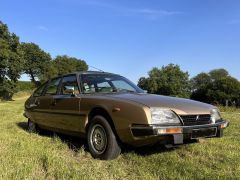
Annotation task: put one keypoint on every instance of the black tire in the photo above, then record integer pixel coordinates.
(32, 127)
(102, 142)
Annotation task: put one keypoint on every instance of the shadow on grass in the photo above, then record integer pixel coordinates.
(158, 148)
(75, 143)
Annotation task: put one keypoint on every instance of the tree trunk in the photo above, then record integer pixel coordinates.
(7, 96)
(226, 102)
(33, 78)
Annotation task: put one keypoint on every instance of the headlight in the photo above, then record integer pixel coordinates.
(164, 117)
(215, 115)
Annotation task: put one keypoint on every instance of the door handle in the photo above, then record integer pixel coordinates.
(37, 102)
(54, 102)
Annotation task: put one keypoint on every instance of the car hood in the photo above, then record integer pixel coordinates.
(179, 105)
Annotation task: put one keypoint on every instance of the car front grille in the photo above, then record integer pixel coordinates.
(189, 120)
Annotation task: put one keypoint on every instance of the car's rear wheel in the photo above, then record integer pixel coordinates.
(102, 142)
(32, 127)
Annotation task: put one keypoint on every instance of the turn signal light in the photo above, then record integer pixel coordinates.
(170, 131)
(223, 126)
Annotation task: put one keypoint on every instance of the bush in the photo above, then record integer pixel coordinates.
(25, 86)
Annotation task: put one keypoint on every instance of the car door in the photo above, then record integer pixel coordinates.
(66, 105)
(33, 105)
(43, 110)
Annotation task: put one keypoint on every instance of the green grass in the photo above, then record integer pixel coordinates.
(33, 156)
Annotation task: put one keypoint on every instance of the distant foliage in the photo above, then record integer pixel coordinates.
(216, 87)
(169, 80)
(26, 86)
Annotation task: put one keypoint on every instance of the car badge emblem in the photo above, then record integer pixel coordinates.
(197, 118)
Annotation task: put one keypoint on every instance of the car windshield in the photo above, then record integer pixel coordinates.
(107, 83)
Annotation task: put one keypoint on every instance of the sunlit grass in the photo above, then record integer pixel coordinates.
(33, 156)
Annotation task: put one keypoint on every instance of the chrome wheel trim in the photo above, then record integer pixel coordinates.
(98, 139)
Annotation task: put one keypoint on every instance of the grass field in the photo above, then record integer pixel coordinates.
(47, 156)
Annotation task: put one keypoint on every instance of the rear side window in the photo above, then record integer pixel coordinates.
(53, 87)
(69, 82)
(39, 91)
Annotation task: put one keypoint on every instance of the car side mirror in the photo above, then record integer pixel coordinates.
(69, 90)
(145, 91)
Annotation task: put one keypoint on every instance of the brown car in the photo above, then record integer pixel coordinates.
(110, 111)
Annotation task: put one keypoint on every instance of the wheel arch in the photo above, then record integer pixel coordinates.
(102, 112)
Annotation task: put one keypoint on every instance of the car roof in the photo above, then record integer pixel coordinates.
(86, 72)
(95, 72)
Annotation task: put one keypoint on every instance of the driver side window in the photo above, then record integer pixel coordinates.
(53, 87)
(39, 91)
(69, 85)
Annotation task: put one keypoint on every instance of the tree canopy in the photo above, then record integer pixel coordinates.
(65, 64)
(11, 62)
(36, 61)
(28, 58)
(168, 80)
(217, 87)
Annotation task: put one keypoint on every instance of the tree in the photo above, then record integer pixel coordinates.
(169, 80)
(199, 86)
(49, 72)
(218, 74)
(37, 62)
(10, 62)
(65, 64)
(224, 91)
(216, 87)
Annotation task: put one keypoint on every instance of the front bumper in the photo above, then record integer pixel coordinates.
(177, 134)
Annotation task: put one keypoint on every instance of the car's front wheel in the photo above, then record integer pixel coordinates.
(101, 139)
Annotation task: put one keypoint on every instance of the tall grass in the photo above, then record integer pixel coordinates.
(49, 156)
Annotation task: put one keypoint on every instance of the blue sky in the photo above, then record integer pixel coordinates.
(130, 37)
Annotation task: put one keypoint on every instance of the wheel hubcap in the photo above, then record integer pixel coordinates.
(98, 139)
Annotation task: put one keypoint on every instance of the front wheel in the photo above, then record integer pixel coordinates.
(101, 139)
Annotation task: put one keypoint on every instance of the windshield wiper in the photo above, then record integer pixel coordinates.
(124, 90)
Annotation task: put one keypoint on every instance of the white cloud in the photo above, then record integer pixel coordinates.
(42, 28)
(153, 14)
(156, 12)
(146, 12)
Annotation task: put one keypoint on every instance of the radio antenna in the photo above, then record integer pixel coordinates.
(96, 68)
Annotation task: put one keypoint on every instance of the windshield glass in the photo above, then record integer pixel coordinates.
(107, 83)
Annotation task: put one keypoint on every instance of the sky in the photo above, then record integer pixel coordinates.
(130, 37)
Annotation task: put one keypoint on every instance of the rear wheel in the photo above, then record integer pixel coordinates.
(101, 139)
(32, 127)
